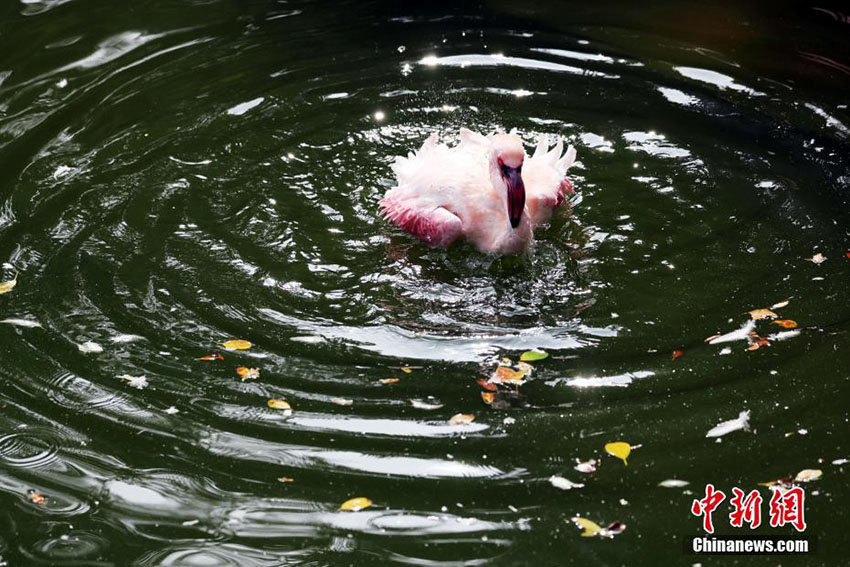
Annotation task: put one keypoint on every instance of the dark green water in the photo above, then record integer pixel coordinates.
(192, 172)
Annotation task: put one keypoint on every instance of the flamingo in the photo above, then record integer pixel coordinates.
(484, 190)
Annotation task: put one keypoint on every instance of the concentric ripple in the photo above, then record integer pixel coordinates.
(188, 173)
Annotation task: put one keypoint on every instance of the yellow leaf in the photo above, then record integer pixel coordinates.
(590, 527)
(786, 323)
(406, 369)
(390, 380)
(7, 286)
(248, 373)
(237, 344)
(488, 397)
(757, 314)
(279, 404)
(808, 475)
(620, 450)
(462, 419)
(356, 504)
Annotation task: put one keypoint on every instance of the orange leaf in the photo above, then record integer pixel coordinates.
(754, 347)
(285, 479)
(677, 354)
(787, 323)
(211, 357)
(462, 419)
(389, 380)
(35, 497)
(248, 373)
(488, 397)
(490, 387)
(237, 344)
(757, 314)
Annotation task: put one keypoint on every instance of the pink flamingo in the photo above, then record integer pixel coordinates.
(485, 190)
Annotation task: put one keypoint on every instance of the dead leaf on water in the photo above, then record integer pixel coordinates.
(817, 259)
(237, 344)
(490, 387)
(285, 479)
(35, 497)
(808, 475)
(248, 373)
(7, 286)
(586, 466)
(620, 450)
(342, 401)
(355, 504)
(279, 404)
(211, 357)
(461, 419)
(389, 380)
(780, 305)
(677, 354)
(758, 314)
(488, 397)
(786, 323)
(590, 527)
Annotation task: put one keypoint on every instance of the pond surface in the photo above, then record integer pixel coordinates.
(179, 174)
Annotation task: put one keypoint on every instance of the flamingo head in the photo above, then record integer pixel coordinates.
(506, 157)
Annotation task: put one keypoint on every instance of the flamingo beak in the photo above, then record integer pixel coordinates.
(516, 193)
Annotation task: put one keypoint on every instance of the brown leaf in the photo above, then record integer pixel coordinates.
(786, 323)
(389, 380)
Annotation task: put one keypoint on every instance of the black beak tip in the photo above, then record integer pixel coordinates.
(515, 222)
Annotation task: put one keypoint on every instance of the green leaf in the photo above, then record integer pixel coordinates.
(533, 355)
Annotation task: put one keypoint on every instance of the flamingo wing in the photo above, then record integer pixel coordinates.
(545, 183)
(435, 226)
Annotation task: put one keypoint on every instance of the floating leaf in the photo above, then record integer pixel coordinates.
(808, 475)
(355, 504)
(620, 450)
(35, 497)
(342, 401)
(406, 369)
(786, 323)
(211, 357)
(248, 373)
(285, 479)
(533, 355)
(488, 397)
(564, 483)
(461, 419)
(758, 314)
(507, 375)
(278, 404)
(780, 305)
(7, 286)
(389, 380)
(817, 259)
(673, 483)
(590, 527)
(237, 344)
(489, 386)
(677, 354)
